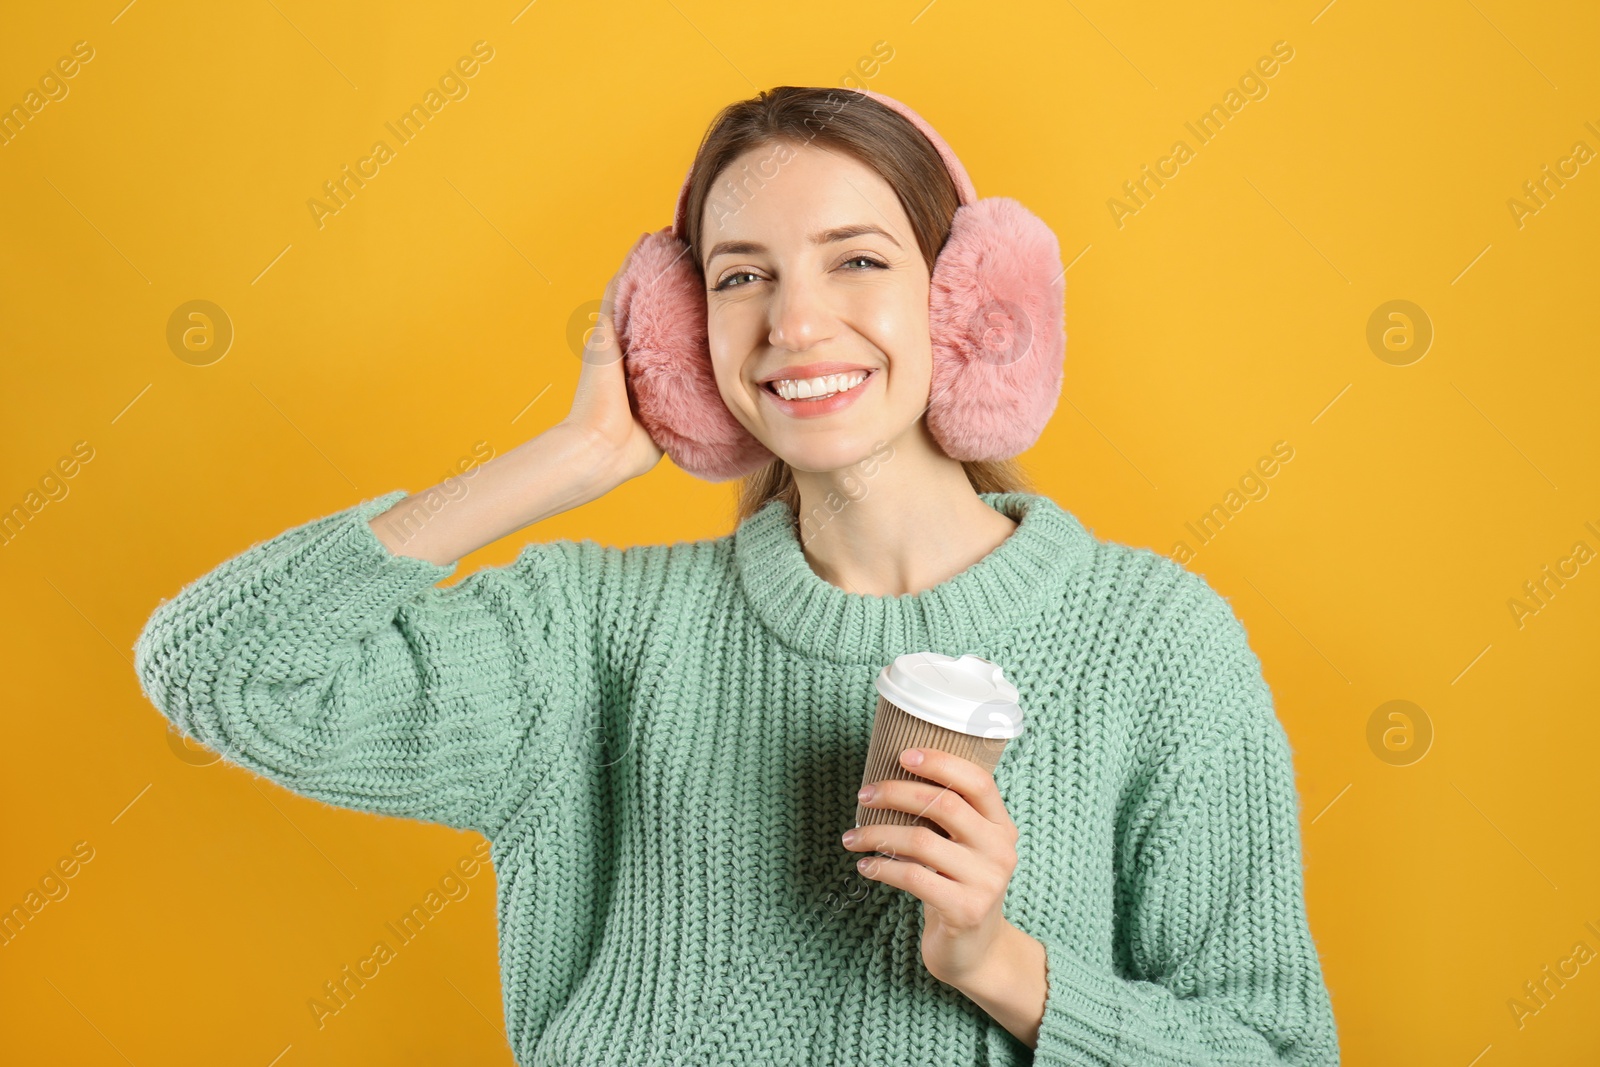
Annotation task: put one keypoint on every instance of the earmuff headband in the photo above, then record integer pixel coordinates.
(964, 188)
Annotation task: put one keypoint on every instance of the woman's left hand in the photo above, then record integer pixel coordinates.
(962, 894)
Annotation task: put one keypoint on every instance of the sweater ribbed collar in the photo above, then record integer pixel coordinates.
(1013, 583)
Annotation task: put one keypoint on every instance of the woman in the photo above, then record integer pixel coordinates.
(663, 743)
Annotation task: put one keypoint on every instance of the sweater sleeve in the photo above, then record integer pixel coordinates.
(339, 670)
(1224, 968)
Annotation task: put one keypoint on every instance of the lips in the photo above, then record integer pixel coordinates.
(816, 388)
(800, 371)
(812, 409)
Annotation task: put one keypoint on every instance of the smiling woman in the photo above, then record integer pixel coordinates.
(886, 196)
(663, 743)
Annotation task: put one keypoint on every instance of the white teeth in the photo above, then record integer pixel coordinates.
(814, 388)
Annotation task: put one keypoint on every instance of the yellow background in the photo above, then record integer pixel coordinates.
(432, 313)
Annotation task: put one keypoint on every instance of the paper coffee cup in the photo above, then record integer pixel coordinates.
(963, 706)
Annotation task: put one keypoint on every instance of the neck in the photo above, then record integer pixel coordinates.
(901, 521)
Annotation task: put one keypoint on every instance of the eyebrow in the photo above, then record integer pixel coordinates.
(839, 233)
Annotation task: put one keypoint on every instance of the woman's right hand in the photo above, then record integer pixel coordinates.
(600, 408)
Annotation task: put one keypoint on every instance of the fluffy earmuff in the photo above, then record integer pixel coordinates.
(659, 310)
(995, 316)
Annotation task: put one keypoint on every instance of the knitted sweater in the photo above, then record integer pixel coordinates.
(663, 743)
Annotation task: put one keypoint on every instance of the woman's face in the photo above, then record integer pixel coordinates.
(812, 270)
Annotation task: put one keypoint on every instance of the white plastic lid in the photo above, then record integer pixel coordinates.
(969, 695)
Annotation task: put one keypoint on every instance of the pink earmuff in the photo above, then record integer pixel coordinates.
(994, 311)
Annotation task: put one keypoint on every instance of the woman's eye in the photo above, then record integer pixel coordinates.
(728, 281)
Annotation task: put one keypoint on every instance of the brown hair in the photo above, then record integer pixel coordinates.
(880, 138)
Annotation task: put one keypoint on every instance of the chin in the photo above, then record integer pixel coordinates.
(821, 456)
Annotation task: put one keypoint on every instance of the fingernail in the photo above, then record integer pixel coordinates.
(912, 757)
(865, 794)
(849, 837)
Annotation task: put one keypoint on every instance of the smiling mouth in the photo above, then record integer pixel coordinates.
(832, 386)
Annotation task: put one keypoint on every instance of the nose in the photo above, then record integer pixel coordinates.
(800, 316)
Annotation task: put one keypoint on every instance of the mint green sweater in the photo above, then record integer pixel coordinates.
(663, 744)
